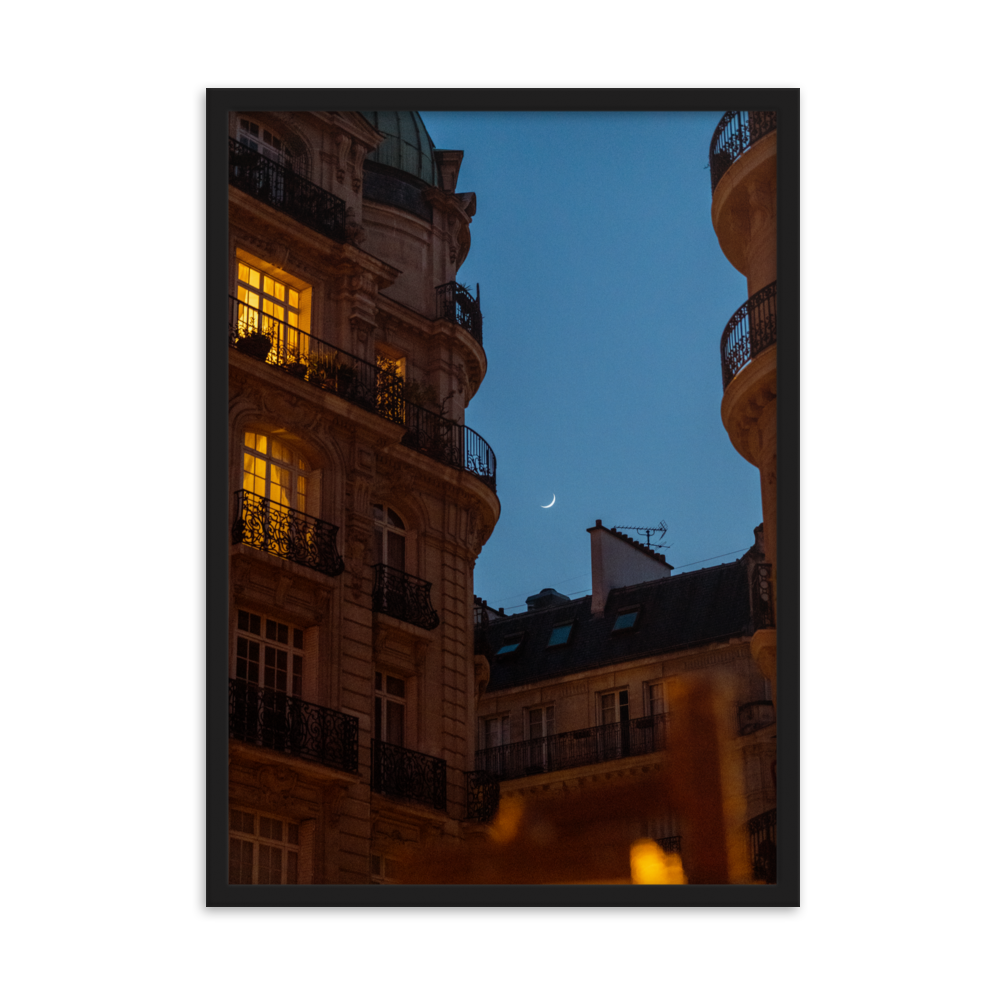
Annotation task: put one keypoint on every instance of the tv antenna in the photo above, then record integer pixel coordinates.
(648, 532)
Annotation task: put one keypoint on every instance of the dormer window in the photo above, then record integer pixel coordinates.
(626, 620)
(560, 634)
(511, 644)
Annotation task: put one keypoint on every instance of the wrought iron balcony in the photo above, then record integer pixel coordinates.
(482, 796)
(455, 303)
(283, 189)
(763, 830)
(575, 749)
(754, 715)
(285, 532)
(407, 774)
(374, 389)
(736, 132)
(402, 596)
(761, 605)
(753, 327)
(670, 844)
(281, 722)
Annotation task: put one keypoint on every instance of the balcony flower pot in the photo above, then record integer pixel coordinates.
(296, 368)
(257, 345)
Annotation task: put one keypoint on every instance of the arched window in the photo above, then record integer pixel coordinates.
(263, 140)
(273, 471)
(390, 537)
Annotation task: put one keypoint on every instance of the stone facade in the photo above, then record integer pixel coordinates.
(348, 451)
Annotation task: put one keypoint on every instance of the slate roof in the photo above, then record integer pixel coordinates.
(677, 612)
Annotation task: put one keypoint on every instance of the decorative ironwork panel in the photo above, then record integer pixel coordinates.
(760, 597)
(408, 774)
(290, 725)
(283, 189)
(752, 328)
(455, 303)
(763, 830)
(736, 132)
(402, 596)
(670, 844)
(575, 749)
(482, 796)
(285, 532)
(755, 715)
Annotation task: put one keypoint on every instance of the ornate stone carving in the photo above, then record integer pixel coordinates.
(277, 785)
(358, 154)
(343, 148)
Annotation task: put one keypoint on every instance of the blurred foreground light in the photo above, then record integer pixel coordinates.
(652, 866)
(507, 820)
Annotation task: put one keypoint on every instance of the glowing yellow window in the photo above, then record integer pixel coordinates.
(275, 308)
(273, 471)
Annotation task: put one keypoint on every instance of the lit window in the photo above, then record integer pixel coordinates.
(390, 704)
(263, 850)
(273, 471)
(625, 620)
(560, 634)
(269, 304)
(510, 644)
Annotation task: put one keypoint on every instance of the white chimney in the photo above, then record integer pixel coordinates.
(618, 561)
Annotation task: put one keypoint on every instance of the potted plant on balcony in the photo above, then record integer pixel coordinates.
(296, 368)
(323, 371)
(255, 343)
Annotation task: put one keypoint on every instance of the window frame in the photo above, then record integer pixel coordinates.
(257, 840)
(617, 629)
(616, 693)
(503, 651)
(383, 698)
(648, 696)
(295, 673)
(569, 634)
(503, 725)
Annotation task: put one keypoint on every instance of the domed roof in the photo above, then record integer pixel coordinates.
(407, 145)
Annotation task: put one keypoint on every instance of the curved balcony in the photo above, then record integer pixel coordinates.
(332, 369)
(272, 527)
(402, 596)
(751, 329)
(575, 749)
(736, 132)
(283, 189)
(408, 774)
(755, 715)
(286, 724)
(455, 303)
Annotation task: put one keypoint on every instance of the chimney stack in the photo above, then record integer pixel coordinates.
(618, 561)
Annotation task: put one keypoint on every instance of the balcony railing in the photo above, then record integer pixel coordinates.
(374, 389)
(281, 722)
(285, 532)
(753, 327)
(763, 830)
(761, 605)
(736, 132)
(407, 774)
(482, 796)
(754, 715)
(402, 596)
(455, 303)
(670, 844)
(575, 749)
(283, 189)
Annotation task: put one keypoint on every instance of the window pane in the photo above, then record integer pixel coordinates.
(395, 686)
(293, 868)
(394, 723)
(293, 298)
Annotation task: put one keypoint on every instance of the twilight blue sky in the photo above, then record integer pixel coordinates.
(604, 296)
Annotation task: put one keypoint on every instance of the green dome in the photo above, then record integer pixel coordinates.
(407, 146)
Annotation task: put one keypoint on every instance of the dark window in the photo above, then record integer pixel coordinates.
(560, 634)
(626, 620)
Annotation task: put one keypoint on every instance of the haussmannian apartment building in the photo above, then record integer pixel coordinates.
(360, 499)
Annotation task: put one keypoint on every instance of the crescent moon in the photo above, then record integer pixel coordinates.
(546, 506)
